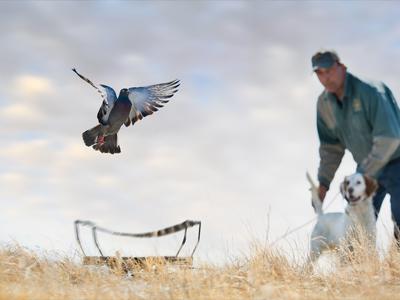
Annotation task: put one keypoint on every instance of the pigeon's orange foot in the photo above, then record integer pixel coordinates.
(100, 139)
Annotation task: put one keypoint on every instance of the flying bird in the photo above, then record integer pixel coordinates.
(132, 105)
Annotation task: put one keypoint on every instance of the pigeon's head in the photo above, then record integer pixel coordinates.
(124, 92)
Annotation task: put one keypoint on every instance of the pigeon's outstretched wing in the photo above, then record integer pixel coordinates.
(146, 100)
(108, 95)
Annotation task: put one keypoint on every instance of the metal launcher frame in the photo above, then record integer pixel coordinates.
(127, 262)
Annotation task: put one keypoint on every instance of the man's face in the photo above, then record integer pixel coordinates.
(332, 78)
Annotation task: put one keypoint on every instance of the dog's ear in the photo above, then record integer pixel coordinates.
(343, 189)
(371, 185)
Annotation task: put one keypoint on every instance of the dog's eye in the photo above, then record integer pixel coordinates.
(358, 182)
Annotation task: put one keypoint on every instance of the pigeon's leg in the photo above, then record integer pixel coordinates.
(100, 139)
(109, 145)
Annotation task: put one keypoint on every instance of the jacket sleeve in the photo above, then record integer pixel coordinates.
(331, 152)
(384, 117)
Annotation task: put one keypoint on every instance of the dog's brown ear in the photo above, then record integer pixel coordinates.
(371, 185)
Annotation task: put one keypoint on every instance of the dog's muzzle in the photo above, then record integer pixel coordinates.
(353, 200)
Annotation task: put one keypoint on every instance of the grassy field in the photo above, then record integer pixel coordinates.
(265, 274)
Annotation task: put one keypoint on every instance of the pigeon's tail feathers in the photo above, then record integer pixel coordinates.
(90, 136)
(315, 200)
(109, 145)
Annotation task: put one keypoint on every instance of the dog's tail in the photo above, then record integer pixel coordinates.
(315, 200)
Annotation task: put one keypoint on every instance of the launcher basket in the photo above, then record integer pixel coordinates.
(128, 262)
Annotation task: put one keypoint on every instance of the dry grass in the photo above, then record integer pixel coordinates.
(266, 274)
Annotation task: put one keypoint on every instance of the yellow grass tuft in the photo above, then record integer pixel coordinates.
(266, 274)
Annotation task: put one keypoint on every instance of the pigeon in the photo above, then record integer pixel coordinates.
(132, 105)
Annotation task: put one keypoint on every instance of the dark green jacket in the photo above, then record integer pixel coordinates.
(366, 122)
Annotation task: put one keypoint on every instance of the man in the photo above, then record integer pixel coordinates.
(363, 118)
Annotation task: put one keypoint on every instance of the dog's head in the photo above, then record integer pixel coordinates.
(358, 187)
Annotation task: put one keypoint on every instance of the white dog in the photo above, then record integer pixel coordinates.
(332, 229)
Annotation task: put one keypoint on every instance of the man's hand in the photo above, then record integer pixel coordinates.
(322, 192)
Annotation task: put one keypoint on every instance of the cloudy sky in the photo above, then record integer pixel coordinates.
(231, 148)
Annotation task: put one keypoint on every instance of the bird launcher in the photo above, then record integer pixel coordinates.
(128, 262)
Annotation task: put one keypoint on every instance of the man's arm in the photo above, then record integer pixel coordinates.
(384, 116)
(330, 158)
(381, 152)
(331, 150)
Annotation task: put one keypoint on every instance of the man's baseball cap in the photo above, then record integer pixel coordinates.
(324, 59)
